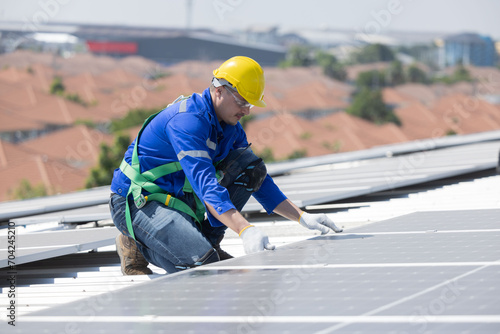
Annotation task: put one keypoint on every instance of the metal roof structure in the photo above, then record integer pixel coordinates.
(45, 245)
(399, 163)
(417, 239)
(413, 273)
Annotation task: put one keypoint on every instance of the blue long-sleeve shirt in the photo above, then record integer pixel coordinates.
(197, 140)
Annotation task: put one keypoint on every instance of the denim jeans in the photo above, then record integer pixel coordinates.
(168, 238)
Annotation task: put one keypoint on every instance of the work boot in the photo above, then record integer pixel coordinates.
(223, 255)
(131, 259)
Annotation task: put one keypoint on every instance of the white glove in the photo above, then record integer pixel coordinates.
(254, 240)
(318, 222)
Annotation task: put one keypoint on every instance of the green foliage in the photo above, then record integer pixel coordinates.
(30, 70)
(416, 75)
(87, 122)
(395, 74)
(297, 56)
(74, 97)
(392, 76)
(330, 66)
(57, 87)
(369, 105)
(335, 146)
(267, 155)
(450, 132)
(372, 53)
(460, 74)
(305, 135)
(297, 154)
(155, 75)
(133, 118)
(25, 190)
(109, 159)
(246, 119)
(371, 79)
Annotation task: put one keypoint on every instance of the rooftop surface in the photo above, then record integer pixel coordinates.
(413, 258)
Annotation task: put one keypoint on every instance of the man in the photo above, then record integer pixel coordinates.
(193, 157)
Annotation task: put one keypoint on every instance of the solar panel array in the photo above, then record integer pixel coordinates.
(423, 272)
(305, 187)
(329, 183)
(31, 247)
(426, 272)
(320, 185)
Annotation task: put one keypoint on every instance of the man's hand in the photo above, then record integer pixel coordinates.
(254, 240)
(318, 222)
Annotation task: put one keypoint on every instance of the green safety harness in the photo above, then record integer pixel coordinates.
(145, 181)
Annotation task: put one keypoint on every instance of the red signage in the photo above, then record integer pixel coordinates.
(112, 47)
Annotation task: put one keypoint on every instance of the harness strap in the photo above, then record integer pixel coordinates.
(145, 181)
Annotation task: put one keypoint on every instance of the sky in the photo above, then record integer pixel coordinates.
(365, 16)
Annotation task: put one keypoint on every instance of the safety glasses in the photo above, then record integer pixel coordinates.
(223, 82)
(240, 103)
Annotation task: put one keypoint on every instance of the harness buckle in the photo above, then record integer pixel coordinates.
(140, 201)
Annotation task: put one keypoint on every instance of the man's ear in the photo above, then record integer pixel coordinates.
(218, 91)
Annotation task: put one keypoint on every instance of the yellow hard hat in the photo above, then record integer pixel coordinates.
(246, 75)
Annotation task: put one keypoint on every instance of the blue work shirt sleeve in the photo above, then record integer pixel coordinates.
(269, 195)
(188, 133)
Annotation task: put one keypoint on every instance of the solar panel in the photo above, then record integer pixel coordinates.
(36, 206)
(383, 151)
(423, 272)
(354, 179)
(37, 246)
(331, 183)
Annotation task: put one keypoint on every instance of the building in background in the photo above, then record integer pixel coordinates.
(163, 45)
(467, 49)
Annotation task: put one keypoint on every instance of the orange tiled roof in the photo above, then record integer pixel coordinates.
(77, 146)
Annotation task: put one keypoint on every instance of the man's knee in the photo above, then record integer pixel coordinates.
(253, 175)
(242, 167)
(209, 257)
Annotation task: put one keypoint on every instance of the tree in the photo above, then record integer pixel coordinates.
(373, 53)
(297, 154)
(57, 87)
(371, 79)
(330, 66)
(25, 190)
(133, 118)
(267, 155)
(460, 74)
(395, 74)
(109, 159)
(369, 105)
(415, 74)
(297, 56)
